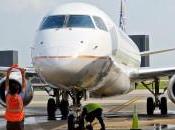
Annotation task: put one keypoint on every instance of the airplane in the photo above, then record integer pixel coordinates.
(78, 48)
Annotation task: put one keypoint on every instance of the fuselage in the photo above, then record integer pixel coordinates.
(78, 45)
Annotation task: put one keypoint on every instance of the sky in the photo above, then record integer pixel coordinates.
(19, 20)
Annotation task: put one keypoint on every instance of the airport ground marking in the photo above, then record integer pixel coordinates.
(62, 127)
(118, 108)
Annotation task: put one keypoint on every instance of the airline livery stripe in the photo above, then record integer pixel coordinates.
(65, 57)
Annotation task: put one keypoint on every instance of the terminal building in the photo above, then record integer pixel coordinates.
(8, 58)
(142, 42)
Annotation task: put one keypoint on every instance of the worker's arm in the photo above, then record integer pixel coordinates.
(7, 79)
(101, 123)
(23, 80)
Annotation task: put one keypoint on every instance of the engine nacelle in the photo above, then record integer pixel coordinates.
(171, 89)
(17, 80)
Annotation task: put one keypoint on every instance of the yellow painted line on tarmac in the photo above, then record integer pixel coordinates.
(122, 106)
(62, 127)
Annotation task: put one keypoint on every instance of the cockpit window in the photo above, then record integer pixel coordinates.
(53, 22)
(99, 23)
(81, 21)
(73, 21)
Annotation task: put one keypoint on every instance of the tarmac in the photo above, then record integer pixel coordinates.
(118, 112)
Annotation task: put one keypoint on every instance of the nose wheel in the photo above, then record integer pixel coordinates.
(59, 102)
(71, 122)
(64, 109)
(51, 108)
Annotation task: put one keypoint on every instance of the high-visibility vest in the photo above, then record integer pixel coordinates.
(92, 107)
(14, 104)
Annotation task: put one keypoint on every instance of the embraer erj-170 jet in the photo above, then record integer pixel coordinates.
(78, 48)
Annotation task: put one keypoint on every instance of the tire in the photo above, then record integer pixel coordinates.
(163, 106)
(51, 108)
(64, 109)
(150, 106)
(80, 123)
(71, 122)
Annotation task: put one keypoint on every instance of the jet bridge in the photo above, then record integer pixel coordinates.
(142, 41)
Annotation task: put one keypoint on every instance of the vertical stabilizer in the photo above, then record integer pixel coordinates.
(122, 22)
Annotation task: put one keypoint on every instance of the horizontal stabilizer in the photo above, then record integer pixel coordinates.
(147, 53)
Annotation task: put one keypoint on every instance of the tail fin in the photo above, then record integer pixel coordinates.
(122, 22)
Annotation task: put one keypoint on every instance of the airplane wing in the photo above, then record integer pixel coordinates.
(147, 53)
(152, 73)
(28, 70)
(30, 73)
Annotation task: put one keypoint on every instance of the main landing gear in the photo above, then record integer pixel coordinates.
(59, 101)
(157, 102)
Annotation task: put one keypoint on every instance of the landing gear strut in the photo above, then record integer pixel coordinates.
(74, 118)
(157, 102)
(64, 106)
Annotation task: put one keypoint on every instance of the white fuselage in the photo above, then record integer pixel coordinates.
(92, 58)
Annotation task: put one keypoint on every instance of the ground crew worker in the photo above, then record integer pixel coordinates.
(90, 112)
(14, 104)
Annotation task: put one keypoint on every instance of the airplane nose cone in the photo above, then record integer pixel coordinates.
(66, 50)
(65, 70)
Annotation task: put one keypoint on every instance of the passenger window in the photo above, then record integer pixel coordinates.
(81, 21)
(99, 23)
(53, 22)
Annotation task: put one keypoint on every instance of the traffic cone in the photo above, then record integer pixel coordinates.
(135, 120)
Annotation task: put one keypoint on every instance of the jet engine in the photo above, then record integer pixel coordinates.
(171, 89)
(27, 95)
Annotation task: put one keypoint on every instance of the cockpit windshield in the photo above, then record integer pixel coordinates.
(53, 22)
(81, 21)
(70, 21)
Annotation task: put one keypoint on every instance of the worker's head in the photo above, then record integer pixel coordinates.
(13, 88)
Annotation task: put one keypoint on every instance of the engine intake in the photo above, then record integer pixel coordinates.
(171, 89)
(27, 97)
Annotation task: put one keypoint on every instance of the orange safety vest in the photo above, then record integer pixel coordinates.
(14, 104)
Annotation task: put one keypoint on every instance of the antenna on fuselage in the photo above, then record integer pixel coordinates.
(122, 22)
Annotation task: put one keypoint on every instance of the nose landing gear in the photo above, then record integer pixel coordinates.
(51, 108)
(59, 102)
(73, 112)
(74, 119)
